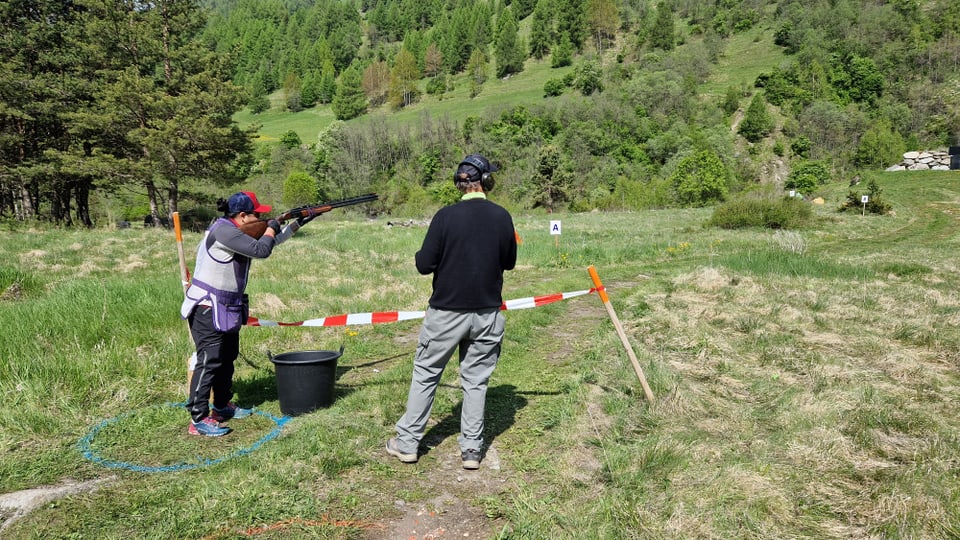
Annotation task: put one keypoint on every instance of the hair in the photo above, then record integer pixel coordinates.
(463, 182)
(224, 206)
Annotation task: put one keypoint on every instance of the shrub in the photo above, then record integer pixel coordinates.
(700, 179)
(437, 85)
(784, 213)
(801, 147)
(731, 100)
(875, 203)
(588, 78)
(290, 139)
(554, 87)
(299, 189)
(806, 176)
(259, 104)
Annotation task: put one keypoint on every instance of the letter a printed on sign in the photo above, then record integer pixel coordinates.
(554, 227)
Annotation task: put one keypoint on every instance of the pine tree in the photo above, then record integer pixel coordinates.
(757, 122)
(571, 15)
(164, 107)
(552, 180)
(349, 101)
(662, 34)
(541, 30)
(293, 92)
(310, 92)
(509, 53)
(328, 83)
(562, 54)
(37, 94)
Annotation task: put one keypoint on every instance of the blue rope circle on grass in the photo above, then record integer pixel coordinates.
(89, 454)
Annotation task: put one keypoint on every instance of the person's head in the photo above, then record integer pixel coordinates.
(474, 173)
(241, 205)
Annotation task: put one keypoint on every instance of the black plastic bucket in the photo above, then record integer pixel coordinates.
(305, 380)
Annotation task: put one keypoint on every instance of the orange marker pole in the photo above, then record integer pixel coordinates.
(623, 335)
(185, 282)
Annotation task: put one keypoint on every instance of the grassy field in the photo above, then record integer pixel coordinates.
(745, 56)
(806, 384)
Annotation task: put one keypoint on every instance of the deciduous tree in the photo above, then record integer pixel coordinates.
(603, 19)
(403, 79)
(376, 82)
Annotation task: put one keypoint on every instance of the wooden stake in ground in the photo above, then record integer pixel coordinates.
(623, 335)
(185, 282)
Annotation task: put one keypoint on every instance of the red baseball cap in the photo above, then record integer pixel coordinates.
(246, 201)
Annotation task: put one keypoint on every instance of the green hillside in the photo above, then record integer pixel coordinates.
(745, 56)
(759, 90)
(525, 88)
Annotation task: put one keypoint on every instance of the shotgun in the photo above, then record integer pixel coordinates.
(256, 229)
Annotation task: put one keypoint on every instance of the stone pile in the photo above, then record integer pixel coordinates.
(923, 160)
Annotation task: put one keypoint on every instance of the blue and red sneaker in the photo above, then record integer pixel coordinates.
(208, 427)
(229, 412)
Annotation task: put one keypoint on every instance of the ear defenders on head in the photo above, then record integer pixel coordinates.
(482, 165)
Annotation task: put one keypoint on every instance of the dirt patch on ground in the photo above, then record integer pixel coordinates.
(449, 514)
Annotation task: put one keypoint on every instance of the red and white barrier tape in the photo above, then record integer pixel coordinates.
(395, 316)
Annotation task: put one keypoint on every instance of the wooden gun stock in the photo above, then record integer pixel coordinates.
(256, 229)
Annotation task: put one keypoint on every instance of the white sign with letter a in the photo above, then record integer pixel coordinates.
(554, 226)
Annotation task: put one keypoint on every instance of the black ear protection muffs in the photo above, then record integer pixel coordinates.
(481, 164)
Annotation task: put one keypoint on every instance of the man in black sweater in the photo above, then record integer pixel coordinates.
(467, 248)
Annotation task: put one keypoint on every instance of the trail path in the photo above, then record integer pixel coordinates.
(453, 512)
(17, 504)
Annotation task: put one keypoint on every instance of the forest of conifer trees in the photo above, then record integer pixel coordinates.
(104, 97)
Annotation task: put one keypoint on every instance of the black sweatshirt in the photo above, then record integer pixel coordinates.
(467, 247)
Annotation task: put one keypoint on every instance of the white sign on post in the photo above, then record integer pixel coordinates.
(865, 199)
(555, 227)
(793, 193)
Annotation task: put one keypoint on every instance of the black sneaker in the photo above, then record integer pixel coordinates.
(471, 459)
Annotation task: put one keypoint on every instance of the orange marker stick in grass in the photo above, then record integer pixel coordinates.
(623, 335)
(185, 282)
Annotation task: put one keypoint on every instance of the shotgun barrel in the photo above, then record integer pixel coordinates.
(257, 228)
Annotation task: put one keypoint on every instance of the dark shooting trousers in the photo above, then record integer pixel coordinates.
(477, 335)
(216, 352)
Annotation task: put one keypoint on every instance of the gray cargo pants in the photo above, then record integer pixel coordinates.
(478, 336)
